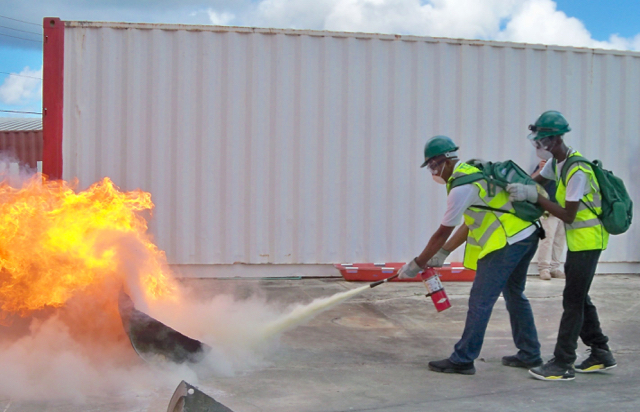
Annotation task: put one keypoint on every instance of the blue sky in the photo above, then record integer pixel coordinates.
(603, 18)
(563, 22)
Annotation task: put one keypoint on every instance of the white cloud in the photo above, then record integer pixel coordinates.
(220, 19)
(539, 21)
(301, 14)
(21, 90)
(621, 43)
(531, 21)
(438, 18)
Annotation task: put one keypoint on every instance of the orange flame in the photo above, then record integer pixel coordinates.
(56, 243)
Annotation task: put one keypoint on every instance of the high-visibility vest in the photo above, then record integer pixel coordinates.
(488, 229)
(586, 232)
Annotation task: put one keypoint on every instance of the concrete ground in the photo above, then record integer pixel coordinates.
(371, 352)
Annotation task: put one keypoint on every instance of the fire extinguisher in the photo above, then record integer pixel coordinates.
(431, 280)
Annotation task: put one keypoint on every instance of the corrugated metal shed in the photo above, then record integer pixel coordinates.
(20, 124)
(285, 146)
(21, 140)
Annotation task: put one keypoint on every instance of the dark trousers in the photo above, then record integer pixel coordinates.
(580, 317)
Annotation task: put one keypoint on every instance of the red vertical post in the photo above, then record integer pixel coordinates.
(52, 96)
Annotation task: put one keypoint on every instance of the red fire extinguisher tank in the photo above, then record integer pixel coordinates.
(431, 279)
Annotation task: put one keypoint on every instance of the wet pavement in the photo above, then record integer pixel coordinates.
(370, 353)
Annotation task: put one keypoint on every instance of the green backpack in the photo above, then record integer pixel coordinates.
(500, 174)
(617, 207)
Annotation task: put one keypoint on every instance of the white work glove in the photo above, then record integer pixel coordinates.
(438, 259)
(519, 192)
(410, 270)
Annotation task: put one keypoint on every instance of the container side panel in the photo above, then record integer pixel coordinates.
(296, 147)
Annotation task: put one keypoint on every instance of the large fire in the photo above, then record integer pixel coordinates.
(56, 243)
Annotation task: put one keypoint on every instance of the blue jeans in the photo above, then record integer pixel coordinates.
(505, 271)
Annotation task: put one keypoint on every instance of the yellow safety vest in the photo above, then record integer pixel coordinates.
(586, 232)
(488, 229)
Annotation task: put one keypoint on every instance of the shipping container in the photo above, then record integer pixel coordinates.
(303, 147)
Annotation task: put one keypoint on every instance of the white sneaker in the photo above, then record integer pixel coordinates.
(544, 274)
(557, 273)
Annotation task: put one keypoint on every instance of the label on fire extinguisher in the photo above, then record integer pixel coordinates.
(434, 284)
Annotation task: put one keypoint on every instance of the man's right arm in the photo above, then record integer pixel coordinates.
(458, 238)
(459, 199)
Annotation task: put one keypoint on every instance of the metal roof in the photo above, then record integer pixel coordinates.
(336, 34)
(18, 123)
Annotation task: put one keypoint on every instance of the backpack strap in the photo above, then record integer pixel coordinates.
(474, 177)
(565, 169)
(466, 179)
(570, 161)
(492, 209)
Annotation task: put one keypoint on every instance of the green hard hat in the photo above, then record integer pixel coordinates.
(436, 146)
(550, 123)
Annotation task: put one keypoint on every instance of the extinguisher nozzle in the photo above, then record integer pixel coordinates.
(374, 284)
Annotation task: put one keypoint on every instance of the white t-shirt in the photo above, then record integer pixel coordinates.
(577, 186)
(461, 198)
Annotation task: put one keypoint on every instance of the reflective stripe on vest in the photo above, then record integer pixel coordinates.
(586, 232)
(488, 229)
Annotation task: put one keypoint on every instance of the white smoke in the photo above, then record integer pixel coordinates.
(231, 326)
(49, 363)
(12, 172)
(243, 333)
(51, 360)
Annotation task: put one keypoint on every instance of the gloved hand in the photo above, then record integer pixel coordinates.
(410, 270)
(519, 192)
(438, 259)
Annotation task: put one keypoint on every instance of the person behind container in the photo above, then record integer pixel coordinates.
(586, 238)
(551, 247)
(499, 247)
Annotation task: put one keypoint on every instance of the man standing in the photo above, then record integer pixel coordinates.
(499, 247)
(551, 247)
(578, 197)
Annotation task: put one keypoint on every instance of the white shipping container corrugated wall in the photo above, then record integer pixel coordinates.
(283, 146)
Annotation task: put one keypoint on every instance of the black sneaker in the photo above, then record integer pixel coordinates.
(515, 362)
(446, 366)
(553, 371)
(598, 360)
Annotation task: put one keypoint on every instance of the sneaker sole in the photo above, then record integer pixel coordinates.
(551, 378)
(461, 372)
(598, 368)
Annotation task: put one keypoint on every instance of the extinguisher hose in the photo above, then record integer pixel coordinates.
(380, 282)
